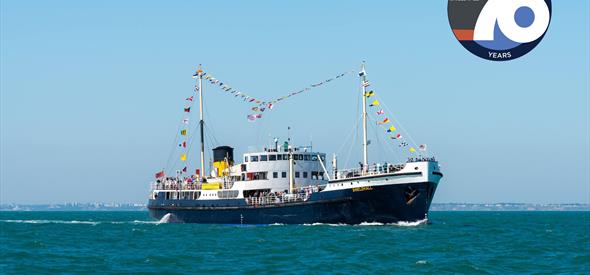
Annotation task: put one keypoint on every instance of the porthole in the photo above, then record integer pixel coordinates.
(415, 168)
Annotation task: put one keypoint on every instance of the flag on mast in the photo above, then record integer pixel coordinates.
(398, 136)
(362, 72)
(385, 121)
(160, 174)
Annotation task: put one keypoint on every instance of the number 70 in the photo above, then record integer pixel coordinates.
(503, 11)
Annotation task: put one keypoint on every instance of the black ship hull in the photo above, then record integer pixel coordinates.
(383, 204)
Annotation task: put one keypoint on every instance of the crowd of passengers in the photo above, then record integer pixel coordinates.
(191, 182)
(279, 197)
(385, 167)
(421, 159)
(376, 168)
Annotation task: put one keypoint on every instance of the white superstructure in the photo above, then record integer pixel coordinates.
(269, 169)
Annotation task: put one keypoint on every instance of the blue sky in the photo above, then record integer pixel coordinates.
(92, 93)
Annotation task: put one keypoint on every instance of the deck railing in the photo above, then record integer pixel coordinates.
(278, 199)
(176, 185)
(420, 159)
(375, 169)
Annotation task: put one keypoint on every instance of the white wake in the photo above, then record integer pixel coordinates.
(168, 218)
(401, 224)
(82, 222)
(51, 221)
(416, 223)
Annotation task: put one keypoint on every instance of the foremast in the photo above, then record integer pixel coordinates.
(199, 76)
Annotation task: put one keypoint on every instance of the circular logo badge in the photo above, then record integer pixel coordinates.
(499, 30)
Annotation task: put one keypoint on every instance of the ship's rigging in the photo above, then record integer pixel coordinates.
(373, 110)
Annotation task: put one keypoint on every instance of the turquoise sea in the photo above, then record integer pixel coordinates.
(451, 242)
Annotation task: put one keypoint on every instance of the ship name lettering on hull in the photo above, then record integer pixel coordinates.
(361, 189)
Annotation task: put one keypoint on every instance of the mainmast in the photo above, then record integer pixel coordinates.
(201, 121)
(363, 76)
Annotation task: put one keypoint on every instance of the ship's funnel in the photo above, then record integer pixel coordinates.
(223, 158)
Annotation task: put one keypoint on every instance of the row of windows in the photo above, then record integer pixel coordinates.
(191, 195)
(303, 157)
(314, 175)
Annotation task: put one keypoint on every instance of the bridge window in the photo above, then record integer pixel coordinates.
(275, 175)
(245, 158)
(272, 157)
(314, 175)
(253, 158)
(279, 157)
(261, 175)
(263, 158)
(256, 176)
(306, 157)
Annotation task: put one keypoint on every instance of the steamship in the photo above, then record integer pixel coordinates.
(289, 184)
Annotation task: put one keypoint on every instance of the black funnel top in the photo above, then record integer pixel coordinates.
(221, 152)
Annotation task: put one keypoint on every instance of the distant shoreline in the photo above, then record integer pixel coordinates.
(435, 207)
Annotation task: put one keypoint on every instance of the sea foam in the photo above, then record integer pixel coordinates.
(51, 221)
(416, 223)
